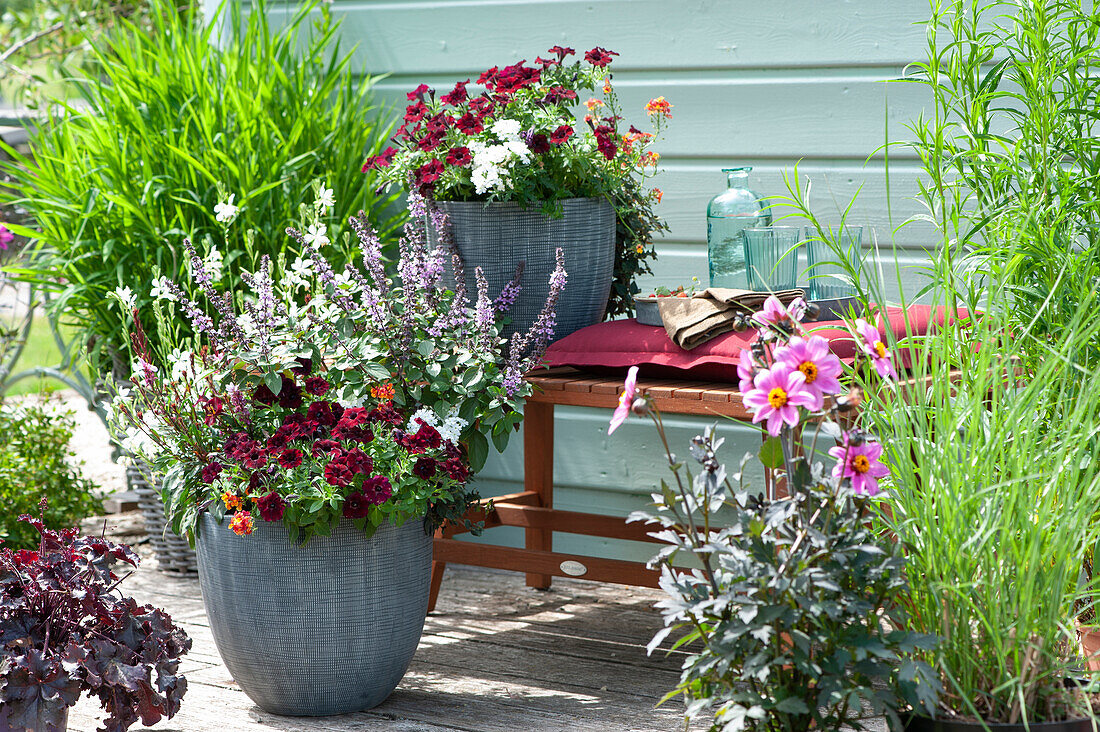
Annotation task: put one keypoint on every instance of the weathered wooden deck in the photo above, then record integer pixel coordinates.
(495, 656)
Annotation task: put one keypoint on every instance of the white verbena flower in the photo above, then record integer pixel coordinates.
(126, 297)
(505, 128)
(317, 235)
(160, 291)
(226, 212)
(326, 199)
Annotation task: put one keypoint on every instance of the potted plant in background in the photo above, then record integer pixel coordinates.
(313, 445)
(795, 611)
(519, 177)
(65, 631)
(111, 193)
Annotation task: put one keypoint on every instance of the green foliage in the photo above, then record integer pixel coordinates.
(175, 126)
(34, 465)
(1011, 152)
(795, 614)
(995, 475)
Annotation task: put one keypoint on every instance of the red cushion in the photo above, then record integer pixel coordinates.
(619, 344)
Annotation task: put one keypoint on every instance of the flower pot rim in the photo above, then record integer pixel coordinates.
(948, 722)
(532, 206)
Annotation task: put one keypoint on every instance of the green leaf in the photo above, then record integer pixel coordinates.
(792, 705)
(274, 381)
(771, 453)
(477, 449)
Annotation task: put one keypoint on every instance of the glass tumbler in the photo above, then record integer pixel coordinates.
(771, 257)
(829, 278)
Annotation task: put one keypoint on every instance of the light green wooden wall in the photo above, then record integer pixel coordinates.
(764, 84)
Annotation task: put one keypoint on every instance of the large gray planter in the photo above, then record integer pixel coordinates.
(498, 236)
(325, 628)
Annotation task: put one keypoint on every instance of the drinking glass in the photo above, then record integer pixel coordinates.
(829, 279)
(771, 257)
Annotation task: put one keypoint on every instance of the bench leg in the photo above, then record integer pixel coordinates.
(538, 476)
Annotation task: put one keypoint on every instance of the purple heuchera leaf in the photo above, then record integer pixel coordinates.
(66, 631)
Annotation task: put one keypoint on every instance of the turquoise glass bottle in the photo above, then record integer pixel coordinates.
(728, 214)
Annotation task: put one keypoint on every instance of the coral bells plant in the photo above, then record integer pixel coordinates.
(329, 396)
(796, 607)
(64, 630)
(514, 135)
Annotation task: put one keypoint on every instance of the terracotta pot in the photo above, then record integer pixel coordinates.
(1089, 637)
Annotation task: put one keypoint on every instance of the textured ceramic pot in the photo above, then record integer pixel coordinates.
(325, 628)
(498, 236)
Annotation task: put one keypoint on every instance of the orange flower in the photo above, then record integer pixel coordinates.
(242, 523)
(607, 85)
(649, 158)
(383, 392)
(640, 249)
(659, 106)
(658, 194)
(232, 502)
(593, 104)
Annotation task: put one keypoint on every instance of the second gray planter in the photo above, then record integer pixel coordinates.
(325, 628)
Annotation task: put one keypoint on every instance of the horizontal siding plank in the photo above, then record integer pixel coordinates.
(469, 35)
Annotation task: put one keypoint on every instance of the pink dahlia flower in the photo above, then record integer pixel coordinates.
(860, 465)
(776, 395)
(746, 369)
(625, 401)
(811, 357)
(870, 342)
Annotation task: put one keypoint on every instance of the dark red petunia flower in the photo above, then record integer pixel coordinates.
(272, 506)
(561, 134)
(386, 414)
(377, 489)
(429, 435)
(430, 142)
(290, 394)
(264, 396)
(211, 471)
(384, 160)
(424, 468)
(457, 96)
(420, 92)
(604, 143)
(337, 474)
(323, 413)
(357, 505)
(427, 174)
(304, 367)
(561, 52)
(291, 458)
(459, 156)
(255, 479)
(323, 447)
(559, 94)
(468, 124)
(317, 386)
(278, 440)
(513, 78)
(357, 461)
(599, 56)
(546, 62)
(483, 105)
(539, 144)
(255, 459)
(488, 77)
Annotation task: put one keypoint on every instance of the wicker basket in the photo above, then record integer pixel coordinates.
(173, 553)
(498, 236)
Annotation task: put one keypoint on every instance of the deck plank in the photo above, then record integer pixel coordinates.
(496, 656)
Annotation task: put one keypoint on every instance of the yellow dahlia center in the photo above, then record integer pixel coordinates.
(777, 398)
(880, 349)
(861, 464)
(809, 370)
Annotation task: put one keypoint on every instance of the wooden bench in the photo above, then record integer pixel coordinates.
(533, 507)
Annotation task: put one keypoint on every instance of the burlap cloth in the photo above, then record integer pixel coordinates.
(691, 321)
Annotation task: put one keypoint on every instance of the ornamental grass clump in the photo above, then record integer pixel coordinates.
(209, 129)
(794, 616)
(65, 630)
(322, 395)
(517, 138)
